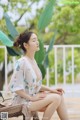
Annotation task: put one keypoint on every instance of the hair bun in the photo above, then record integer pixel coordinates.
(22, 38)
(17, 43)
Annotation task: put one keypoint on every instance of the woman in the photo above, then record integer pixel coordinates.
(26, 82)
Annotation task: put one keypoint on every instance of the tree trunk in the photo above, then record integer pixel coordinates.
(2, 80)
(2, 76)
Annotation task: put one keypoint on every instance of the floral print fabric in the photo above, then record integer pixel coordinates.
(24, 77)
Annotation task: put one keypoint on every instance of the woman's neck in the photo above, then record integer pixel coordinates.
(30, 55)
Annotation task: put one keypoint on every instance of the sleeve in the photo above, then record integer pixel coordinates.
(17, 80)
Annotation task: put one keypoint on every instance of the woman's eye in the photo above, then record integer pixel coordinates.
(34, 40)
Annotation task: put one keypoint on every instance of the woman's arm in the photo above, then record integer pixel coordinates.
(58, 90)
(45, 88)
(23, 94)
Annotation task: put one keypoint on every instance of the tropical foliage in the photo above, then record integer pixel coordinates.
(8, 41)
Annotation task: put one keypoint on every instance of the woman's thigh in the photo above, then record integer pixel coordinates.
(42, 104)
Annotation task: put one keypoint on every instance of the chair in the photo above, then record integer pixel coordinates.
(14, 111)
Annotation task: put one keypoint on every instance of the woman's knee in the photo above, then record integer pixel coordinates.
(56, 98)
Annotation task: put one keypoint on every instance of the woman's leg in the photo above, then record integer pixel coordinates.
(51, 109)
(61, 110)
(52, 101)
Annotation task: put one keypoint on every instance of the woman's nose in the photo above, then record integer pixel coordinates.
(37, 42)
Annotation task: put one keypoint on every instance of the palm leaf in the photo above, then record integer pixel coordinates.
(39, 56)
(51, 42)
(46, 61)
(43, 70)
(5, 40)
(46, 16)
(10, 26)
(13, 52)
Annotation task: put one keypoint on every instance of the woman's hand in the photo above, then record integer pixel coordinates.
(58, 91)
(39, 96)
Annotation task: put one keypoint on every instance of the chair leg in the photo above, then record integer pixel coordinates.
(23, 117)
(1, 96)
(35, 116)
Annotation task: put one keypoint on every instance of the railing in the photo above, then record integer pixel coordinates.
(55, 47)
(64, 61)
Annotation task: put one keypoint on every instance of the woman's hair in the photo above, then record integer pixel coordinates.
(23, 38)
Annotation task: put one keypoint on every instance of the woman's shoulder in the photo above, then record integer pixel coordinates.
(23, 63)
(22, 59)
(20, 62)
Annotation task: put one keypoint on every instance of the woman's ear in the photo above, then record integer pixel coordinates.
(25, 45)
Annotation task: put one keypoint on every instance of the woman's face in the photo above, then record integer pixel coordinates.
(33, 43)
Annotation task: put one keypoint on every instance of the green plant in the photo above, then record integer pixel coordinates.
(42, 55)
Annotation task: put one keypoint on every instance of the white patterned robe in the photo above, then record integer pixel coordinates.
(24, 78)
